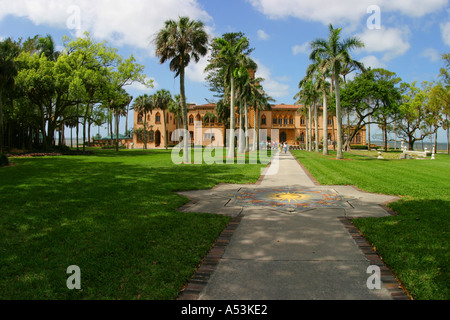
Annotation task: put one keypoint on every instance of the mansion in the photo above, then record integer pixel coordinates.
(288, 119)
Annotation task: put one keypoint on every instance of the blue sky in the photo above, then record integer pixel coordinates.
(412, 34)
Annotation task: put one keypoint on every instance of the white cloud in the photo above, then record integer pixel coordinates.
(274, 88)
(431, 54)
(196, 71)
(304, 48)
(390, 41)
(142, 88)
(131, 22)
(342, 11)
(262, 35)
(372, 62)
(445, 29)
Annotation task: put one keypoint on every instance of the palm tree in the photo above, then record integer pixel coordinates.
(323, 86)
(180, 42)
(163, 100)
(143, 105)
(308, 96)
(261, 101)
(175, 108)
(230, 55)
(46, 46)
(334, 55)
(248, 87)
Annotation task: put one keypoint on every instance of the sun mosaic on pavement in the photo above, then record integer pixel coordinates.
(290, 199)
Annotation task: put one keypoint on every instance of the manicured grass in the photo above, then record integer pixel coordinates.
(415, 243)
(112, 214)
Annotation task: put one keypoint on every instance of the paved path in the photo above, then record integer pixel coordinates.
(292, 252)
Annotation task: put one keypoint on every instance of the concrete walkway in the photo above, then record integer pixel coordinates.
(288, 252)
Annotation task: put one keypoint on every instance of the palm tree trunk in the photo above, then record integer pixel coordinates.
(241, 130)
(166, 142)
(310, 129)
(316, 124)
(257, 126)
(231, 153)
(307, 131)
(325, 125)
(186, 138)
(340, 154)
(255, 133)
(247, 138)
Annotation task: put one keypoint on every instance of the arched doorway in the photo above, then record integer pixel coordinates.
(283, 137)
(157, 138)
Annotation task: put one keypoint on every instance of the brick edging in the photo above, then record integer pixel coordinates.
(390, 282)
(201, 276)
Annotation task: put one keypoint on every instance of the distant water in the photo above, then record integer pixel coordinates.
(441, 146)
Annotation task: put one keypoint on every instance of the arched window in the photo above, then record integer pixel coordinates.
(158, 118)
(303, 121)
(140, 118)
(263, 120)
(191, 119)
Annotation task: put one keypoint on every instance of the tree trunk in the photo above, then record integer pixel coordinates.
(241, 130)
(448, 136)
(257, 125)
(316, 124)
(1, 123)
(255, 133)
(231, 150)
(310, 129)
(247, 138)
(117, 131)
(166, 142)
(340, 154)
(307, 131)
(186, 137)
(325, 125)
(77, 126)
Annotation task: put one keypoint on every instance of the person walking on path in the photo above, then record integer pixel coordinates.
(285, 147)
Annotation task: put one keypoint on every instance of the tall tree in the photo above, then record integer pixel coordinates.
(373, 97)
(143, 105)
(260, 101)
(335, 55)
(180, 42)
(414, 114)
(46, 45)
(9, 50)
(229, 54)
(162, 100)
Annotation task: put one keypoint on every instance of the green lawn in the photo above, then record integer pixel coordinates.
(415, 243)
(113, 215)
